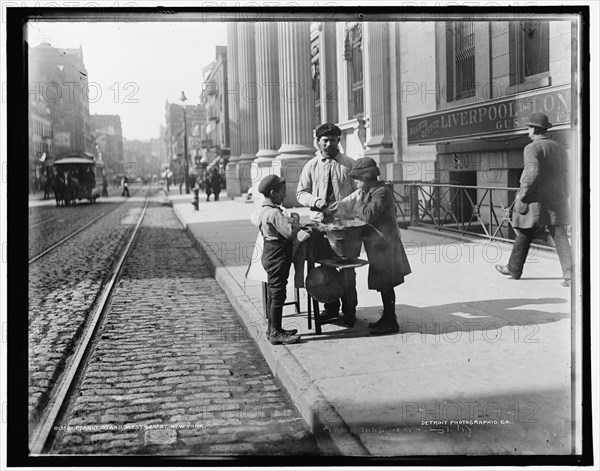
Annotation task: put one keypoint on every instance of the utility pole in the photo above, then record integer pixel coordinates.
(186, 163)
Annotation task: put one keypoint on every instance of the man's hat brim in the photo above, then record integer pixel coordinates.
(538, 125)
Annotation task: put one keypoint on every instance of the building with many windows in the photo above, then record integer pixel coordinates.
(138, 157)
(195, 119)
(41, 146)
(491, 77)
(442, 101)
(215, 142)
(58, 78)
(108, 134)
(305, 74)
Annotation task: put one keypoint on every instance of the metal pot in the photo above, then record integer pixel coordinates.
(345, 237)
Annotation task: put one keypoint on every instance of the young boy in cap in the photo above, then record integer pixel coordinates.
(373, 203)
(278, 231)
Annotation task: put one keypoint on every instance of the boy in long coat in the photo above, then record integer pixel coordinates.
(374, 203)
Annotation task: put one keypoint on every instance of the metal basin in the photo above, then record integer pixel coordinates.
(345, 237)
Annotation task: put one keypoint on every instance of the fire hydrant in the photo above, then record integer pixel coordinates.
(196, 200)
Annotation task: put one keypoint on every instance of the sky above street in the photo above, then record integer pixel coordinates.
(134, 67)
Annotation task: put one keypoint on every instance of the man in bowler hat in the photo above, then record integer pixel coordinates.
(542, 199)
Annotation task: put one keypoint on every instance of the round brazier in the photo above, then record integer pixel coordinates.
(345, 237)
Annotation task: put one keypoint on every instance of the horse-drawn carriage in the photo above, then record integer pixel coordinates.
(75, 179)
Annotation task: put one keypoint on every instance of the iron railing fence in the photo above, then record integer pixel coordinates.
(401, 192)
(475, 210)
(482, 211)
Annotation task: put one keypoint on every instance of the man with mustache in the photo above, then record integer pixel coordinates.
(325, 180)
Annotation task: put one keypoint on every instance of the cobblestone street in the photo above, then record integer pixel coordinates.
(173, 372)
(63, 286)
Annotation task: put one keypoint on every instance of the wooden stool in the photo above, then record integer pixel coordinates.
(339, 264)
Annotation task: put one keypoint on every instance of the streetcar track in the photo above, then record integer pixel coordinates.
(51, 218)
(65, 239)
(71, 235)
(60, 394)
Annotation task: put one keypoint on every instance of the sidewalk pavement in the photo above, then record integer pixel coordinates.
(481, 365)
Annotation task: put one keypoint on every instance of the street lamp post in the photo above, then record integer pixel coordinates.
(186, 164)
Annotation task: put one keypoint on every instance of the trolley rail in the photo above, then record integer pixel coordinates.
(60, 394)
(45, 220)
(65, 239)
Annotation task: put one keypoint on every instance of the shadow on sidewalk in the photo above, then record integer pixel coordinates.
(474, 316)
(488, 315)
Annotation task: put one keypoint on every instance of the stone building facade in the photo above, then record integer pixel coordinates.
(108, 134)
(58, 78)
(381, 82)
(304, 74)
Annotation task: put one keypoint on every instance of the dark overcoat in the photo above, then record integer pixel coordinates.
(215, 181)
(543, 193)
(388, 264)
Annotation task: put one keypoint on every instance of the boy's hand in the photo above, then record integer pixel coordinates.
(295, 217)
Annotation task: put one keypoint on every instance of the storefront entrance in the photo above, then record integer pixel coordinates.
(462, 206)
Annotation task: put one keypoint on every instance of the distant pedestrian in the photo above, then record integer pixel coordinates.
(278, 232)
(542, 200)
(374, 203)
(125, 185)
(104, 186)
(47, 184)
(208, 187)
(216, 181)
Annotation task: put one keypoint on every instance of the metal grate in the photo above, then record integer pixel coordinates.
(357, 72)
(464, 58)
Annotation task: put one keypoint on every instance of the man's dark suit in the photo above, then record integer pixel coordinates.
(542, 200)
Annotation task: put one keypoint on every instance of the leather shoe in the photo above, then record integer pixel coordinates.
(283, 338)
(386, 327)
(346, 320)
(378, 322)
(328, 315)
(566, 283)
(288, 332)
(505, 271)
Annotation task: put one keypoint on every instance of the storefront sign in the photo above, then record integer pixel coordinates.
(491, 118)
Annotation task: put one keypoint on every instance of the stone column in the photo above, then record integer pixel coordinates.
(233, 94)
(296, 105)
(269, 116)
(328, 66)
(248, 103)
(342, 72)
(376, 57)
